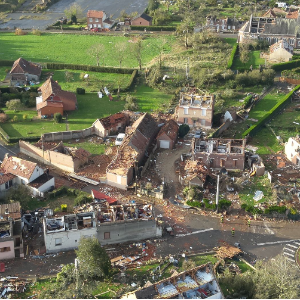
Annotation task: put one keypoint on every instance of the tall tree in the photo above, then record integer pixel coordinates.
(98, 52)
(121, 52)
(74, 12)
(137, 51)
(93, 259)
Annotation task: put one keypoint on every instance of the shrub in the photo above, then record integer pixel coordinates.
(36, 32)
(3, 117)
(248, 101)
(194, 203)
(80, 91)
(25, 117)
(183, 130)
(232, 56)
(64, 207)
(20, 31)
(130, 103)
(275, 208)
(286, 65)
(14, 104)
(153, 28)
(224, 204)
(57, 118)
(15, 119)
(82, 198)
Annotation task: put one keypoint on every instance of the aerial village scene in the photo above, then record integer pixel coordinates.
(149, 149)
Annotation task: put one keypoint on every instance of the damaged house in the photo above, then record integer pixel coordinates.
(63, 233)
(195, 109)
(271, 30)
(16, 171)
(167, 136)
(220, 153)
(292, 150)
(196, 283)
(132, 153)
(110, 125)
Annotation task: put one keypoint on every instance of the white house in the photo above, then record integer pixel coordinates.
(16, 171)
(292, 150)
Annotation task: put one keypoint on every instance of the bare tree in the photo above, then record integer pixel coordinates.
(97, 51)
(121, 51)
(137, 52)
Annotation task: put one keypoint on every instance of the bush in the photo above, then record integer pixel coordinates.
(3, 117)
(286, 65)
(64, 207)
(57, 118)
(36, 32)
(14, 104)
(248, 101)
(194, 203)
(25, 117)
(60, 191)
(183, 130)
(80, 91)
(224, 204)
(153, 28)
(232, 56)
(15, 119)
(20, 31)
(82, 198)
(208, 205)
(275, 208)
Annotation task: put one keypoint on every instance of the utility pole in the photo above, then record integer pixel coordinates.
(217, 194)
(187, 71)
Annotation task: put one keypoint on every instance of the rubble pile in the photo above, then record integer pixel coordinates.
(10, 285)
(47, 145)
(227, 251)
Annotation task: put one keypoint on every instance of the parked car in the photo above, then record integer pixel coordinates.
(197, 134)
(95, 29)
(119, 139)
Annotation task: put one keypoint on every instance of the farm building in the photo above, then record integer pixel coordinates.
(167, 135)
(142, 20)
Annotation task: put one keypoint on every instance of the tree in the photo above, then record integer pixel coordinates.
(153, 5)
(74, 12)
(93, 259)
(121, 51)
(137, 51)
(14, 104)
(57, 118)
(97, 51)
(69, 76)
(183, 130)
(130, 103)
(21, 194)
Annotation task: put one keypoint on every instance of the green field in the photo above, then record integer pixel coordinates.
(3, 72)
(73, 48)
(254, 60)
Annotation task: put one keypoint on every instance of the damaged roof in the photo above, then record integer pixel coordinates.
(38, 182)
(12, 210)
(22, 66)
(17, 166)
(80, 153)
(113, 120)
(170, 129)
(101, 196)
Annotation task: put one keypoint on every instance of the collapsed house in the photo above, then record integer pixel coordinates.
(132, 153)
(220, 153)
(195, 109)
(292, 150)
(15, 171)
(66, 158)
(196, 283)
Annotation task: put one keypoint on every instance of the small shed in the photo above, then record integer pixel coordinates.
(167, 135)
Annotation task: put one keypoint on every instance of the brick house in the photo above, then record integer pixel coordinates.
(24, 71)
(98, 19)
(111, 125)
(195, 109)
(121, 171)
(292, 150)
(142, 20)
(167, 135)
(220, 153)
(52, 99)
(15, 171)
(271, 30)
(281, 52)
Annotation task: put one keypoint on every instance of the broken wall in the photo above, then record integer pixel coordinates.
(59, 160)
(125, 231)
(119, 181)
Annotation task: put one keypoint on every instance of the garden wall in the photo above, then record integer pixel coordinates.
(48, 157)
(68, 135)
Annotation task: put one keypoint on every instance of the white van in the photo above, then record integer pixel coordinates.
(119, 139)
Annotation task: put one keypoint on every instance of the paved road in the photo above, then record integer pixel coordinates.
(12, 150)
(42, 20)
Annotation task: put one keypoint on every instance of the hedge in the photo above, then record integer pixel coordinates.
(60, 66)
(232, 56)
(286, 65)
(153, 28)
(248, 101)
(275, 208)
(131, 82)
(271, 113)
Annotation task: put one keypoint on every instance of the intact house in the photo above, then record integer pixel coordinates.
(11, 242)
(23, 71)
(195, 109)
(15, 171)
(110, 125)
(167, 135)
(281, 51)
(98, 19)
(110, 223)
(292, 150)
(220, 153)
(132, 153)
(271, 30)
(142, 20)
(197, 283)
(52, 99)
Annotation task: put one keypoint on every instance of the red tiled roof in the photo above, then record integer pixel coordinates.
(95, 14)
(48, 88)
(22, 66)
(113, 120)
(292, 15)
(18, 166)
(101, 196)
(5, 177)
(170, 129)
(50, 104)
(67, 96)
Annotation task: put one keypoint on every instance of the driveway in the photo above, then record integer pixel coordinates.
(42, 20)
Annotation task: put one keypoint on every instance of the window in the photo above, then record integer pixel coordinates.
(8, 184)
(234, 162)
(91, 19)
(203, 112)
(185, 120)
(229, 27)
(106, 235)
(96, 20)
(298, 43)
(292, 41)
(203, 122)
(75, 241)
(6, 211)
(95, 25)
(222, 162)
(5, 249)
(186, 111)
(58, 242)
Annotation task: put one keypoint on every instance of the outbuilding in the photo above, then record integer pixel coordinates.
(167, 135)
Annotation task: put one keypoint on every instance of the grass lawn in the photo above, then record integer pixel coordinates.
(254, 60)
(254, 184)
(3, 72)
(230, 41)
(96, 149)
(95, 82)
(74, 48)
(203, 259)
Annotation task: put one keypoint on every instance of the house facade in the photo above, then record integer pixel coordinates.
(292, 150)
(98, 19)
(23, 71)
(281, 52)
(167, 135)
(121, 171)
(16, 171)
(220, 153)
(142, 20)
(271, 30)
(52, 99)
(220, 25)
(110, 125)
(195, 109)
